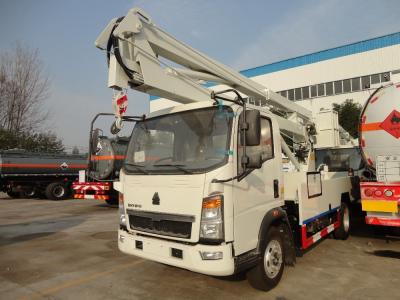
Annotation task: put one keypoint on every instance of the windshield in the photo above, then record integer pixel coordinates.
(188, 142)
(339, 160)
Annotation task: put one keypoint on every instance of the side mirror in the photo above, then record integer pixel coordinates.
(254, 162)
(94, 141)
(253, 132)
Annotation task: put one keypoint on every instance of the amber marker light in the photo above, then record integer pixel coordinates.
(213, 202)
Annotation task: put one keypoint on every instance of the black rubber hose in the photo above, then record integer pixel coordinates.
(113, 44)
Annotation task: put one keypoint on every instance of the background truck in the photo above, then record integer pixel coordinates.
(379, 134)
(38, 174)
(106, 155)
(202, 186)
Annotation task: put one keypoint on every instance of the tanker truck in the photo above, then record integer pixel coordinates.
(106, 156)
(379, 133)
(30, 174)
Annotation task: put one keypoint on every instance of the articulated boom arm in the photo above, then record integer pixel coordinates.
(136, 62)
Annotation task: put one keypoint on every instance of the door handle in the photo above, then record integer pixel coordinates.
(276, 188)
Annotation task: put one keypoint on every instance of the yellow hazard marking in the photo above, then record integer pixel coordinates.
(78, 281)
(380, 205)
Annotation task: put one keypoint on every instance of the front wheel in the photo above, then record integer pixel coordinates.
(343, 231)
(268, 272)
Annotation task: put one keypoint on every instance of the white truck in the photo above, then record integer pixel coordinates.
(202, 186)
(379, 141)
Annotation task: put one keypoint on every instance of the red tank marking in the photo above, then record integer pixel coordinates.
(392, 124)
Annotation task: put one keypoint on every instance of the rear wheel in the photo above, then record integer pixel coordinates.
(56, 191)
(268, 272)
(343, 231)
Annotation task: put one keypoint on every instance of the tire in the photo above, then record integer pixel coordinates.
(56, 191)
(14, 195)
(268, 272)
(112, 201)
(343, 231)
(31, 193)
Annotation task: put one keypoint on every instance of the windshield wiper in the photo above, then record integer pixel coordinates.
(177, 166)
(137, 167)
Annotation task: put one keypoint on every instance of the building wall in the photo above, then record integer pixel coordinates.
(367, 63)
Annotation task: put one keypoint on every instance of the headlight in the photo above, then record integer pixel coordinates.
(122, 219)
(212, 222)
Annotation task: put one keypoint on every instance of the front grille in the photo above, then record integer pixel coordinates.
(160, 223)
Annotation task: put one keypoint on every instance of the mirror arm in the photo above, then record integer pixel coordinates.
(238, 177)
(243, 127)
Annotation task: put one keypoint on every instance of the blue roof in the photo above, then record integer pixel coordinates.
(358, 47)
(354, 48)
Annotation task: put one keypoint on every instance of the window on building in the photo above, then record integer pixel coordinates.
(375, 79)
(355, 84)
(284, 94)
(291, 94)
(306, 92)
(297, 94)
(329, 88)
(321, 89)
(385, 77)
(365, 82)
(338, 87)
(346, 86)
(313, 91)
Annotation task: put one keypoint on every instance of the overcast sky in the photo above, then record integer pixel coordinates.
(241, 34)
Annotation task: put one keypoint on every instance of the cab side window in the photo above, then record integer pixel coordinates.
(266, 147)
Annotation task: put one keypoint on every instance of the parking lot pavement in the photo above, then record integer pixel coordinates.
(68, 250)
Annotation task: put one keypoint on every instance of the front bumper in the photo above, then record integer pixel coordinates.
(162, 251)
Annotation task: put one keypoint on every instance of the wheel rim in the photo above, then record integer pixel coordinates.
(346, 218)
(273, 259)
(30, 193)
(58, 191)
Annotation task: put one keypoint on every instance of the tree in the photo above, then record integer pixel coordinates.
(36, 142)
(23, 88)
(75, 150)
(349, 115)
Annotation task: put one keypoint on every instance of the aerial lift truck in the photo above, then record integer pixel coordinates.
(202, 186)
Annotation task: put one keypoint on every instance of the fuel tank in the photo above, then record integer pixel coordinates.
(20, 162)
(379, 129)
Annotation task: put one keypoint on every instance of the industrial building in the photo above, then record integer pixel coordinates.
(319, 79)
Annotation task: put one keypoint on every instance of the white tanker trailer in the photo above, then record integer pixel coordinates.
(379, 134)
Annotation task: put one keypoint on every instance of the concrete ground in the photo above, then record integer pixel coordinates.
(68, 250)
